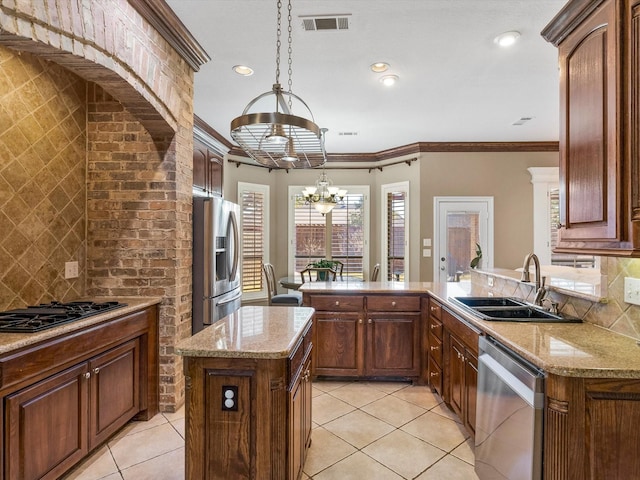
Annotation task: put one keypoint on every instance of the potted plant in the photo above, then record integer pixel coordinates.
(323, 263)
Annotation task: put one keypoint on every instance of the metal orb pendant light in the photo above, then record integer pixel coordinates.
(324, 196)
(280, 139)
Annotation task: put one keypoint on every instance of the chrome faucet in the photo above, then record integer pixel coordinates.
(539, 282)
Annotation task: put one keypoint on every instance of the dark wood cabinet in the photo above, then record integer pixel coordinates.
(460, 367)
(433, 346)
(590, 428)
(208, 160)
(300, 420)
(366, 335)
(599, 123)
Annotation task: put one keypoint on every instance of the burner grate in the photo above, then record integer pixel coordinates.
(41, 317)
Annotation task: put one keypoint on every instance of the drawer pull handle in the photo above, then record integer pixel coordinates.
(434, 374)
(434, 348)
(87, 375)
(433, 309)
(337, 303)
(370, 321)
(433, 326)
(393, 304)
(360, 321)
(96, 370)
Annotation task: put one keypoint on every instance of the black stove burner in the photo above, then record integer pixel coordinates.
(47, 315)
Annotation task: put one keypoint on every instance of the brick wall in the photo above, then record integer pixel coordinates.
(140, 141)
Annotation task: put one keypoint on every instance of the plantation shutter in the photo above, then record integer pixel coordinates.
(396, 202)
(347, 234)
(253, 240)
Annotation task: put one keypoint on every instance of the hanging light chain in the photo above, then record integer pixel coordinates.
(278, 43)
(289, 51)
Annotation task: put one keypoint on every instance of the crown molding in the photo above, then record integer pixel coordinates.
(160, 15)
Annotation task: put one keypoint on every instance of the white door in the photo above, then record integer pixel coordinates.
(461, 225)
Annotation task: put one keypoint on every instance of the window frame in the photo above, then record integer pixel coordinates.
(363, 190)
(384, 222)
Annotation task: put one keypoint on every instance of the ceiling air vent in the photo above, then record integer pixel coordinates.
(325, 22)
(347, 134)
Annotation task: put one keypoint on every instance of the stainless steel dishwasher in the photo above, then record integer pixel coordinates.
(509, 421)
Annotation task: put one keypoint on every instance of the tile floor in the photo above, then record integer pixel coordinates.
(372, 430)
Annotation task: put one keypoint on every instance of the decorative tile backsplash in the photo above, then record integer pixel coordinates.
(42, 180)
(613, 313)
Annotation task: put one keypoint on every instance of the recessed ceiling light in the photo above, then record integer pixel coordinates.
(507, 39)
(379, 67)
(243, 70)
(389, 80)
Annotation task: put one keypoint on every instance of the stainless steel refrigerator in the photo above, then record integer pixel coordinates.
(216, 262)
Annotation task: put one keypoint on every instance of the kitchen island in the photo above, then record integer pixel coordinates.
(248, 395)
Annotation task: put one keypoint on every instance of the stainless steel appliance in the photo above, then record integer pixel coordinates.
(216, 274)
(509, 420)
(35, 318)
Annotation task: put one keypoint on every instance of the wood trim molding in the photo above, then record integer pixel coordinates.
(209, 137)
(170, 27)
(567, 19)
(429, 147)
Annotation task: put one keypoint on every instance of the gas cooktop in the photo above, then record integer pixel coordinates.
(47, 315)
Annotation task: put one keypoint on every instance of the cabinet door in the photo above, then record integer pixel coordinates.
(46, 426)
(306, 413)
(296, 427)
(470, 390)
(455, 375)
(393, 344)
(115, 392)
(200, 167)
(338, 344)
(590, 153)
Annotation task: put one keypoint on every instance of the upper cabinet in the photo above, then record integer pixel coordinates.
(208, 159)
(599, 58)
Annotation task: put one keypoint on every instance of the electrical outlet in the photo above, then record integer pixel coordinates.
(490, 281)
(632, 290)
(71, 270)
(229, 398)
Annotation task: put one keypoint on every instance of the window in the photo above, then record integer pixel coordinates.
(395, 231)
(339, 235)
(254, 208)
(565, 259)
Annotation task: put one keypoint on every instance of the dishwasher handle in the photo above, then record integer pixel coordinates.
(534, 398)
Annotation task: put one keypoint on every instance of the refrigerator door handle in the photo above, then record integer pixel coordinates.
(233, 226)
(229, 300)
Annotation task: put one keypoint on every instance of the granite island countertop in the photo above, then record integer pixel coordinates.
(14, 341)
(567, 349)
(250, 332)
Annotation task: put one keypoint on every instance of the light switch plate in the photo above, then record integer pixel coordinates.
(632, 290)
(426, 252)
(426, 242)
(490, 281)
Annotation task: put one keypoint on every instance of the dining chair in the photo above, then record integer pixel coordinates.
(375, 272)
(307, 274)
(272, 289)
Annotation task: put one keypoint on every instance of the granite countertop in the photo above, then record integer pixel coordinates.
(250, 332)
(13, 341)
(568, 349)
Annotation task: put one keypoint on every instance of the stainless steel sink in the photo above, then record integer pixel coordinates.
(509, 309)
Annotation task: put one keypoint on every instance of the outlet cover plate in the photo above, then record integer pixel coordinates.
(632, 290)
(71, 270)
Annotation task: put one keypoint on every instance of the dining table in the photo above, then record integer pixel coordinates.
(293, 282)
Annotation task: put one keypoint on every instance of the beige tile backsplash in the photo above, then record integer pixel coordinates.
(42, 180)
(614, 314)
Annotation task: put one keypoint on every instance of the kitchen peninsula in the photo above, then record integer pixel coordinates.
(592, 375)
(248, 398)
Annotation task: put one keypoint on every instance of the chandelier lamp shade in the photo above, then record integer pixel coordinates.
(278, 138)
(324, 196)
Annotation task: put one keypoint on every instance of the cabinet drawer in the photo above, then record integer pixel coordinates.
(435, 349)
(298, 356)
(435, 375)
(435, 309)
(467, 334)
(393, 303)
(340, 303)
(435, 328)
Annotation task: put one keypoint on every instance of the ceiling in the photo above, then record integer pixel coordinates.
(455, 84)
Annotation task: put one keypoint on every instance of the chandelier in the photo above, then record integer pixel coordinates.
(280, 139)
(323, 196)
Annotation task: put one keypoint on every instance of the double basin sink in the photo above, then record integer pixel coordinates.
(509, 309)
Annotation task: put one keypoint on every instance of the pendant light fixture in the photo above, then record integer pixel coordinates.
(324, 196)
(280, 139)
